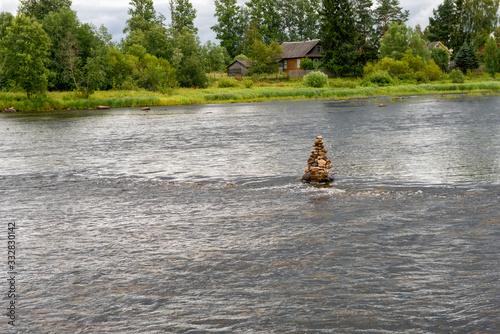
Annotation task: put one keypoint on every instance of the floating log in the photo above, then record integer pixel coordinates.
(318, 164)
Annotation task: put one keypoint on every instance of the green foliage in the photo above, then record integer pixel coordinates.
(398, 39)
(466, 58)
(266, 15)
(187, 59)
(248, 83)
(315, 79)
(299, 19)
(216, 57)
(491, 57)
(307, 64)
(338, 37)
(387, 12)
(142, 16)
(183, 15)
(25, 50)
(379, 78)
(396, 68)
(38, 9)
(441, 58)
(441, 25)
(367, 40)
(457, 76)
(156, 74)
(264, 57)
(410, 68)
(433, 71)
(229, 26)
(228, 83)
(341, 83)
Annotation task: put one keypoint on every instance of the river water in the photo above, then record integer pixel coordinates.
(194, 220)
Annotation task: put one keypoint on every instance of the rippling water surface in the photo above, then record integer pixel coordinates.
(194, 219)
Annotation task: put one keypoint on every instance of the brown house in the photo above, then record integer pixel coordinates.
(294, 52)
(238, 67)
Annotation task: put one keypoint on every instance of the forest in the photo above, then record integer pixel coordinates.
(45, 47)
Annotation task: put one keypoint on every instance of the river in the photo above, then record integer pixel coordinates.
(194, 220)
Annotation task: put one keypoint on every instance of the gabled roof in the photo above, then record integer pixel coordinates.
(297, 49)
(242, 62)
(431, 45)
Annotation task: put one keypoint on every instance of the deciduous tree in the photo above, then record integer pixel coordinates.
(183, 15)
(491, 56)
(28, 51)
(398, 39)
(41, 8)
(229, 27)
(266, 15)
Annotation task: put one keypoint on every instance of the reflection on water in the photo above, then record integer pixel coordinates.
(193, 219)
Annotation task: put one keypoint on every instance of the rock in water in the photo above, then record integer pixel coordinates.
(11, 109)
(318, 164)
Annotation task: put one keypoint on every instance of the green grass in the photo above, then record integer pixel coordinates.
(271, 90)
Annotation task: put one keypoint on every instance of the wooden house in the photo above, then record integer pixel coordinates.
(238, 67)
(294, 52)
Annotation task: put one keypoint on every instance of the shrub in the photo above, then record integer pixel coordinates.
(441, 58)
(315, 79)
(228, 83)
(421, 77)
(432, 70)
(380, 78)
(307, 64)
(457, 76)
(248, 83)
(394, 67)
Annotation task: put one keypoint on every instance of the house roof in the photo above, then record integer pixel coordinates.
(431, 45)
(241, 62)
(298, 49)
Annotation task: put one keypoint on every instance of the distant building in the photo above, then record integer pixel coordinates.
(433, 45)
(294, 52)
(238, 67)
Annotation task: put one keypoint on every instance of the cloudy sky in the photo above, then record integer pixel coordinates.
(113, 13)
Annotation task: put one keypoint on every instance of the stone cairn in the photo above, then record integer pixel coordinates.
(318, 164)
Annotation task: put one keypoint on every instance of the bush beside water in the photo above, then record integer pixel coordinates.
(315, 79)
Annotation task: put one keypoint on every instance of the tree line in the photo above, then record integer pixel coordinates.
(46, 46)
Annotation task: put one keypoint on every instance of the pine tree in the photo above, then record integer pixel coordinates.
(387, 12)
(466, 58)
(366, 40)
(441, 25)
(338, 37)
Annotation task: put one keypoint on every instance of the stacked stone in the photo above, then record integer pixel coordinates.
(318, 164)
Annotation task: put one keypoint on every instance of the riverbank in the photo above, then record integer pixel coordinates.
(276, 92)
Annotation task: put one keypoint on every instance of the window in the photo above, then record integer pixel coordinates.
(298, 63)
(284, 64)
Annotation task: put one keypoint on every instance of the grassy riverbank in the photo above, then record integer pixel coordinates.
(260, 91)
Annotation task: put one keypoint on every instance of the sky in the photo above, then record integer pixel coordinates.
(113, 14)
